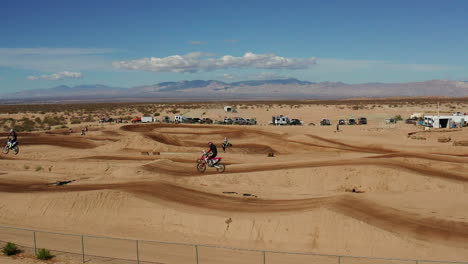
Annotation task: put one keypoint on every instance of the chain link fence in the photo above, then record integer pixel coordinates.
(97, 249)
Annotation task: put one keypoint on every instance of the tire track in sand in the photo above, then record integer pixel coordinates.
(393, 220)
(189, 171)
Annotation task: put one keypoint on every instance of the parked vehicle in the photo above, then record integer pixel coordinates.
(166, 119)
(362, 121)
(295, 122)
(106, 120)
(227, 121)
(251, 121)
(206, 121)
(352, 121)
(390, 121)
(238, 121)
(137, 119)
(325, 122)
(195, 120)
(341, 122)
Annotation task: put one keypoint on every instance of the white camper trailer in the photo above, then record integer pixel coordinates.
(147, 119)
(280, 120)
(180, 119)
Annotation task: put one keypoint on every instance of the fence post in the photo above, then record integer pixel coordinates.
(196, 253)
(339, 259)
(264, 257)
(35, 247)
(82, 248)
(138, 253)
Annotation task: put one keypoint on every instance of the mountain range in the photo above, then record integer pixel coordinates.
(253, 89)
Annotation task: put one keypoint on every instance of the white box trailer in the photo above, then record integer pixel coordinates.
(147, 119)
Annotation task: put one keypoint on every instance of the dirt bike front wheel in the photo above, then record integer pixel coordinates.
(201, 167)
(220, 167)
(15, 150)
(6, 149)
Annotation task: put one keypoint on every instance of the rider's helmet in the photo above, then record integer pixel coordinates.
(11, 130)
(210, 143)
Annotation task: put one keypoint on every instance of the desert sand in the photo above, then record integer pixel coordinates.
(368, 190)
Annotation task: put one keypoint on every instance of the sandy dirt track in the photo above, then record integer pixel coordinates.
(345, 193)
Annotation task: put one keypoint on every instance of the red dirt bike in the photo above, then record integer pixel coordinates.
(203, 162)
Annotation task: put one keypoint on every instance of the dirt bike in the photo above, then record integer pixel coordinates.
(203, 162)
(10, 145)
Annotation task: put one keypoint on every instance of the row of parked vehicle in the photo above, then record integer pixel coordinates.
(239, 121)
(349, 121)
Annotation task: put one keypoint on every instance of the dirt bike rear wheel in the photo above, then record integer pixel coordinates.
(221, 167)
(201, 167)
(15, 150)
(5, 150)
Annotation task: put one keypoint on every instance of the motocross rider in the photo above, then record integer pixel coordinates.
(12, 137)
(214, 152)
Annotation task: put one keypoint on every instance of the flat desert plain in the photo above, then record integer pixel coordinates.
(367, 190)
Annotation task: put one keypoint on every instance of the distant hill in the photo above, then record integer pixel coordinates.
(253, 89)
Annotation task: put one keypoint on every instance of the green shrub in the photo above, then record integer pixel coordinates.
(398, 118)
(75, 121)
(10, 249)
(44, 254)
(39, 168)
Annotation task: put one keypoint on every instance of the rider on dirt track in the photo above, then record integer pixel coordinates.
(12, 137)
(214, 152)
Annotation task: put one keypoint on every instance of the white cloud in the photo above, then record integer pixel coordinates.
(196, 42)
(55, 59)
(231, 40)
(196, 62)
(57, 76)
(226, 76)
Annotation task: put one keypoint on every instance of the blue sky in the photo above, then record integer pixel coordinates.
(130, 43)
